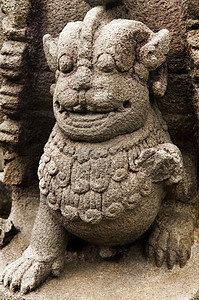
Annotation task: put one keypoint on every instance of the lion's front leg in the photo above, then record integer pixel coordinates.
(44, 255)
(171, 236)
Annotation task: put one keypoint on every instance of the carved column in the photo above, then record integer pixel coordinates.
(192, 16)
(13, 101)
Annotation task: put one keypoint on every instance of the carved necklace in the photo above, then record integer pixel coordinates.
(89, 180)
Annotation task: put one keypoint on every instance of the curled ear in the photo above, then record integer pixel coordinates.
(159, 78)
(50, 50)
(153, 53)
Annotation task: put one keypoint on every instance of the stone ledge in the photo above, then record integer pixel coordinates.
(130, 277)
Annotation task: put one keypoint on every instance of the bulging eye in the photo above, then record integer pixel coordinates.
(65, 64)
(106, 63)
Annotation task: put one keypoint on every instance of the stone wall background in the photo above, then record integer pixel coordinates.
(176, 105)
(33, 120)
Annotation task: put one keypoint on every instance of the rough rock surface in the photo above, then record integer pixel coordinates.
(5, 200)
(109, 161)
(23, 137)
(128, 277)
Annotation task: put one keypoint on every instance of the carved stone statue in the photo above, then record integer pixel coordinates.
(109, 162)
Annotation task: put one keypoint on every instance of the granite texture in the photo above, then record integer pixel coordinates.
(109, 162)
(27, 107)
(130, 276)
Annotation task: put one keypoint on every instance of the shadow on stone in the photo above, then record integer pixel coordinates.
(7, 228)
(5, 200)
(7, 232)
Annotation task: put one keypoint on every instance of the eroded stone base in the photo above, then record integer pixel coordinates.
(129, 277)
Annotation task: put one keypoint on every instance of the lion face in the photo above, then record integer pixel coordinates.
(101, 82)
(97, 105)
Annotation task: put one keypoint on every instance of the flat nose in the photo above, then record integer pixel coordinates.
(81, 107)
(82, 79)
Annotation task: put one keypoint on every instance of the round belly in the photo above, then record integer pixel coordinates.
(126, 226)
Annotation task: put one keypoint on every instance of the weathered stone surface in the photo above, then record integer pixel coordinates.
(5, 200)
(51, 17)
(13, 93)
(1, 160)
(8, 231)
(191, 8)
(130, 276)
(109, 160)
(193, 50)
(97, 193)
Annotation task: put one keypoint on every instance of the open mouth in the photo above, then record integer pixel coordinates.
(86, 119)
(87, 116)
(80, 123)
(82, 118)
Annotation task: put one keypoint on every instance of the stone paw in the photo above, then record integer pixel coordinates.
(25, 274)
(162, 163)
(171, 240)
(107, 253)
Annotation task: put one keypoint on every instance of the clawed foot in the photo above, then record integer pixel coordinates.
(25, 274)
(171, 238)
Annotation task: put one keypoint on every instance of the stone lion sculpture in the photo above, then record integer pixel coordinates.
(109, 161)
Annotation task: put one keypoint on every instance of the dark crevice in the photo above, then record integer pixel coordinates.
(114, 4)
(127, 104)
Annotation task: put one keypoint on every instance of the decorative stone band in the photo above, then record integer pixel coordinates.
(95, 180)
(13, 92)
(13, 67)
(193, 48)
(191, 15)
